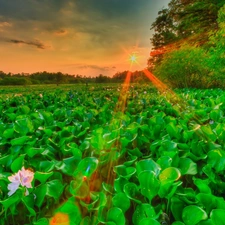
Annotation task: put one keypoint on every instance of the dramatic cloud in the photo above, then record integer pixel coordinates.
(36, 10)
(5, 24)
(91, 35)
(35, 43)
(61, 32)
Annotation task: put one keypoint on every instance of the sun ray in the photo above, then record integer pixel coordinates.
(158, 83)
(121, 104)
(175, 100)
(120, 107)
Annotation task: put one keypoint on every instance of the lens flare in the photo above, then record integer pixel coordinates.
(133, 58)
(60, 219)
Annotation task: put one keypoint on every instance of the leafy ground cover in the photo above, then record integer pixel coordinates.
(76, 155)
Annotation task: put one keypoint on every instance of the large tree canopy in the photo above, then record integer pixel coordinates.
(185, 18)
(189, 43)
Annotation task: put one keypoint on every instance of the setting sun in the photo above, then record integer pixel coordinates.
(133, 58)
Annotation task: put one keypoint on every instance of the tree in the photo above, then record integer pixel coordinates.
(194, 16)
(185, 18)
(59, 78)
(164, 29)
(120, 76)
(217, 51)
(196, 29)
(102, 79)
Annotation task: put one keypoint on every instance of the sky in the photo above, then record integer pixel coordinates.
(86, 37)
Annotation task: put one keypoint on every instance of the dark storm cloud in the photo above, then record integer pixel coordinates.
(110, 8)
(86, 17)
(121, 14)
(30, 10)
(106, 22)
(35, 43)
(99, 11)
(113, 22)
(41, 9)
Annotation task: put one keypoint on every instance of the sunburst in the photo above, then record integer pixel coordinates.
(133, 58)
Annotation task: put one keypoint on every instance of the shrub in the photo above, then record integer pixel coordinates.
(185, 67)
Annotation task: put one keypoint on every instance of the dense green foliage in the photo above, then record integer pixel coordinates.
(187, 67)
(161, 161)
(217, 51)
(186, 18)
(191, 31)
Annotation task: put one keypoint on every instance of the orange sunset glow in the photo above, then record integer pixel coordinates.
(76, 37)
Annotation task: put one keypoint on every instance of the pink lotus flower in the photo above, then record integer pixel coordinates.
(23, 177)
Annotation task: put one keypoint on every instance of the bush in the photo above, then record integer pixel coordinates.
(185, 67)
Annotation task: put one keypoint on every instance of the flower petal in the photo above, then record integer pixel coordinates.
(26, 178)
(12, 187)
(14, 178)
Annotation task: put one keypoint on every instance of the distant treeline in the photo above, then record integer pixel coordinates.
(61, 78)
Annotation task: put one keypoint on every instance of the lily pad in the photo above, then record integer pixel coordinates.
(177, 206)
(149, 165)
(177, 223)
(132, 192)
(113, 216)
(149, 184)
(164, 162)
(216, 158)
(193, 214)
(169, 174)
(187, 166)
(119, 184)
(17, 163)
(124, 171)
(143, 211)
(87, 166)
(218, 216)
(149, 221)
(116, 215)
(121, 201)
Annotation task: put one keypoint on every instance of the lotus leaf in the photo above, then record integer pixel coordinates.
(169, 174)
(143, 211)
(149, 165)
(193, 214)
(121, 201)
(87, 166)
(132, 192)
(216, 158)
(218, 216)
(177, 206)
(124, 171)
(149, 184)
(187, 166)
(148, 221)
